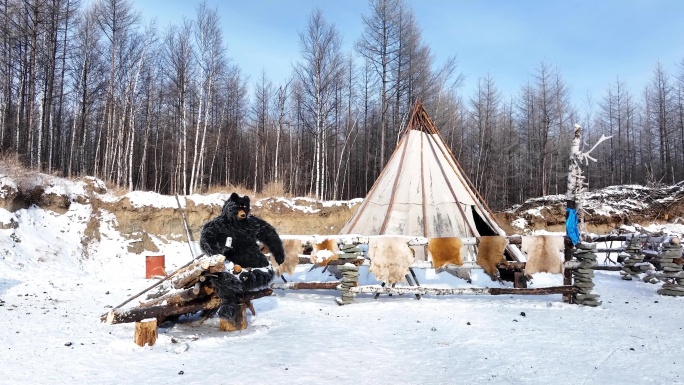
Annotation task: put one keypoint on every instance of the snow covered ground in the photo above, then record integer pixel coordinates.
(51, 299)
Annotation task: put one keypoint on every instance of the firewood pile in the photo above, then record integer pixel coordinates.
(185, 291)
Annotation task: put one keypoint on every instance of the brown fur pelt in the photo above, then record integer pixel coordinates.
(324, 251)
(544, 254)
(391, 258)
(293, 247)
(445, 250)
(490, 252)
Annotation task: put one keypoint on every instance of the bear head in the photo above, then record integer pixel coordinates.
(236, 207)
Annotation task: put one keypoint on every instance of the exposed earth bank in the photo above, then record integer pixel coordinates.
(605, 209)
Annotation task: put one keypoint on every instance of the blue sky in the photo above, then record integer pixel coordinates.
(592, 42)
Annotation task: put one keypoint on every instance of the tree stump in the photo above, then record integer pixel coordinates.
(239, 322)
(146, 332)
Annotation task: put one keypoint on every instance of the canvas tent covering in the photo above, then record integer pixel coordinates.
(422, 191)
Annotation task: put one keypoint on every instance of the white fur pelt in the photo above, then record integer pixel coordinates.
(293, 247)
(544, 253)
(390, 258)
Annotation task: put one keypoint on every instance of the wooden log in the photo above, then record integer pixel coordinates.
(571, 265)
(468, 291)
(239, 322)
(205, 290)
(519, 280)
(204, 262)
(356, 261)
(158, 293)
(251, 307)
(189, 275)
(251, 295)
(188, 278)
(134, 296)
(611, 250)
(117, 316)
(145, 332)
(175, 297)
(567, 273)
(607, 267)
(185, 296)
(410, 282)
(511, 265)
(306, 286)
(217, 268)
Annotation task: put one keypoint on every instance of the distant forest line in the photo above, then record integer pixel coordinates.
(95, 90)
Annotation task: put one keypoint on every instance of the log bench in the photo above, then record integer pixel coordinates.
(185, 291)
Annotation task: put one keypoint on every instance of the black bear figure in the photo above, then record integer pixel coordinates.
(244, 230)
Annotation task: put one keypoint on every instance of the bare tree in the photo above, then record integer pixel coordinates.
(679, 123)
(380, 46)
(660, 116)
(210, 61)
(542, 119)
(319, 73)
(263, 95)
(485, 107)
(178, 54)
(616, 120)
(86, 82)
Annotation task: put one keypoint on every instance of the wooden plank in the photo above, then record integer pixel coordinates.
(306, 260)
(306, 285)
(377, 289)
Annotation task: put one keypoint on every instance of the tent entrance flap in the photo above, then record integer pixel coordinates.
(483, 228)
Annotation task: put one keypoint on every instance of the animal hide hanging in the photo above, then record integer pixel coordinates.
(444, 251)
(293, 247)
(490, 250)
(391, 258)
(324, 251)
(544, 253)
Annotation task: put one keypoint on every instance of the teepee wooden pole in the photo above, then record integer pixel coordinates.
(422, 188)
(394, 188)
(355, 219)
(473, 232)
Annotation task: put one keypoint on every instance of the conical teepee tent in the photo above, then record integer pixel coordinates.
(422, 191)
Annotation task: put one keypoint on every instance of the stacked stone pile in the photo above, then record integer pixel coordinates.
(350, 273)
(672, 272)
(631, 267)
(583, 276)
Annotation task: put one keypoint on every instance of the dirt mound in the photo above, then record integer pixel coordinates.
(604, 209)
(303, 216)
(142, 224)
(8, 194)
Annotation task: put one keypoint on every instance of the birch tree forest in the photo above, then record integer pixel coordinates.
(94, 89)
